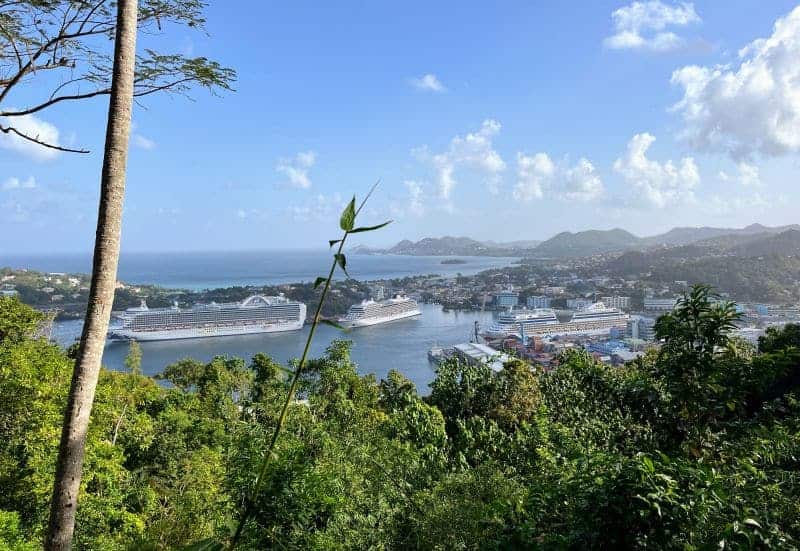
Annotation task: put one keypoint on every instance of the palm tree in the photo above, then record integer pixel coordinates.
(104, 277)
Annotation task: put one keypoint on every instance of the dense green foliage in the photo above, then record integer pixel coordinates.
(695, 446)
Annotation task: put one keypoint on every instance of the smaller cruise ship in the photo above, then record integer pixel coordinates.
(371, 312)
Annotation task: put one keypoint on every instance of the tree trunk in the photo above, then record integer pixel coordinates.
(101, 294)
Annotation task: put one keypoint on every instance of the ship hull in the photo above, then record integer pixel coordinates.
(366, 322)
(204, 332)
(580, 328)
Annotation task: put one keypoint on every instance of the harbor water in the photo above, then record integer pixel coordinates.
(401, 345)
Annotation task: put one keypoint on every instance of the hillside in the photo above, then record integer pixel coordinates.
(687, 235)
(592, 242)
(762, 267)
(586, 243)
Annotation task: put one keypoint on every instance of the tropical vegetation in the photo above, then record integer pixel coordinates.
(695, 446)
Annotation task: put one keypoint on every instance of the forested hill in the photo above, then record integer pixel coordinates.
(586, 243)
(763, 267)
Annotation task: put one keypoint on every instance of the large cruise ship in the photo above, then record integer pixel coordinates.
(594, 319)
(255, 314)
(370, 312)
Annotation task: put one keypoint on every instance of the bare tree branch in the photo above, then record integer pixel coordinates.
(11, 129)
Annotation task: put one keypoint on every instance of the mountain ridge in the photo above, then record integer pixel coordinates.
(582, 243)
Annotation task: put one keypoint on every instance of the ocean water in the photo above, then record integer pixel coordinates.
(208, 270)
(401, 345)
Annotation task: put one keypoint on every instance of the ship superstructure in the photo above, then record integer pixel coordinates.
(371, 312)
(255, 314)
(594, 319)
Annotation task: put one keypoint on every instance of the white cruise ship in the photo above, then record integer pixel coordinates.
(255, 314)
(370, 312)
(594, 319)
(533, 322)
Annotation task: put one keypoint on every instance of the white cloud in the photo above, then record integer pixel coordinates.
(428, 82)
(748, 174)
(296, 169)
(416, 207)
(581, 182)
(143, 142)
(657, 184)
(538, 175)
(35, 128)
(533, 175)
(732, 204)
(320, 208)
(641, 26)
(16, 183)
(750, 108)
(474, 151)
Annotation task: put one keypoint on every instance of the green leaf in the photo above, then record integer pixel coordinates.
(751, 522)
(209, 544)
(333, 323)
(319, 281)
(370, 228)
(342, 262)
(333, 242)
(348, 215)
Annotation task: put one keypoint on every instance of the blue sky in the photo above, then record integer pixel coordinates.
(502, 121)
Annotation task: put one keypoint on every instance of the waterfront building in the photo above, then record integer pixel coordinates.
(641, 327)
(506, 299)
(476, 353)
(578, 303)
(617, 302)
(538, 301)
(554, 291)
(660, 304)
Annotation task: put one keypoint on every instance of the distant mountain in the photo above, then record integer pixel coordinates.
(448, 246)
(593, 242)
(524, 244)
(683, 241)
(586, 243)
(687, 235)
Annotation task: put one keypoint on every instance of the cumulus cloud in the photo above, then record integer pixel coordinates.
(35, 128)
(748, 107)
(475, 152)
(538, 175)
(657, 184)
(428, 83)
(533, 174)
(747, 175)
(296, 169)
(641, 26)
(16, 183)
